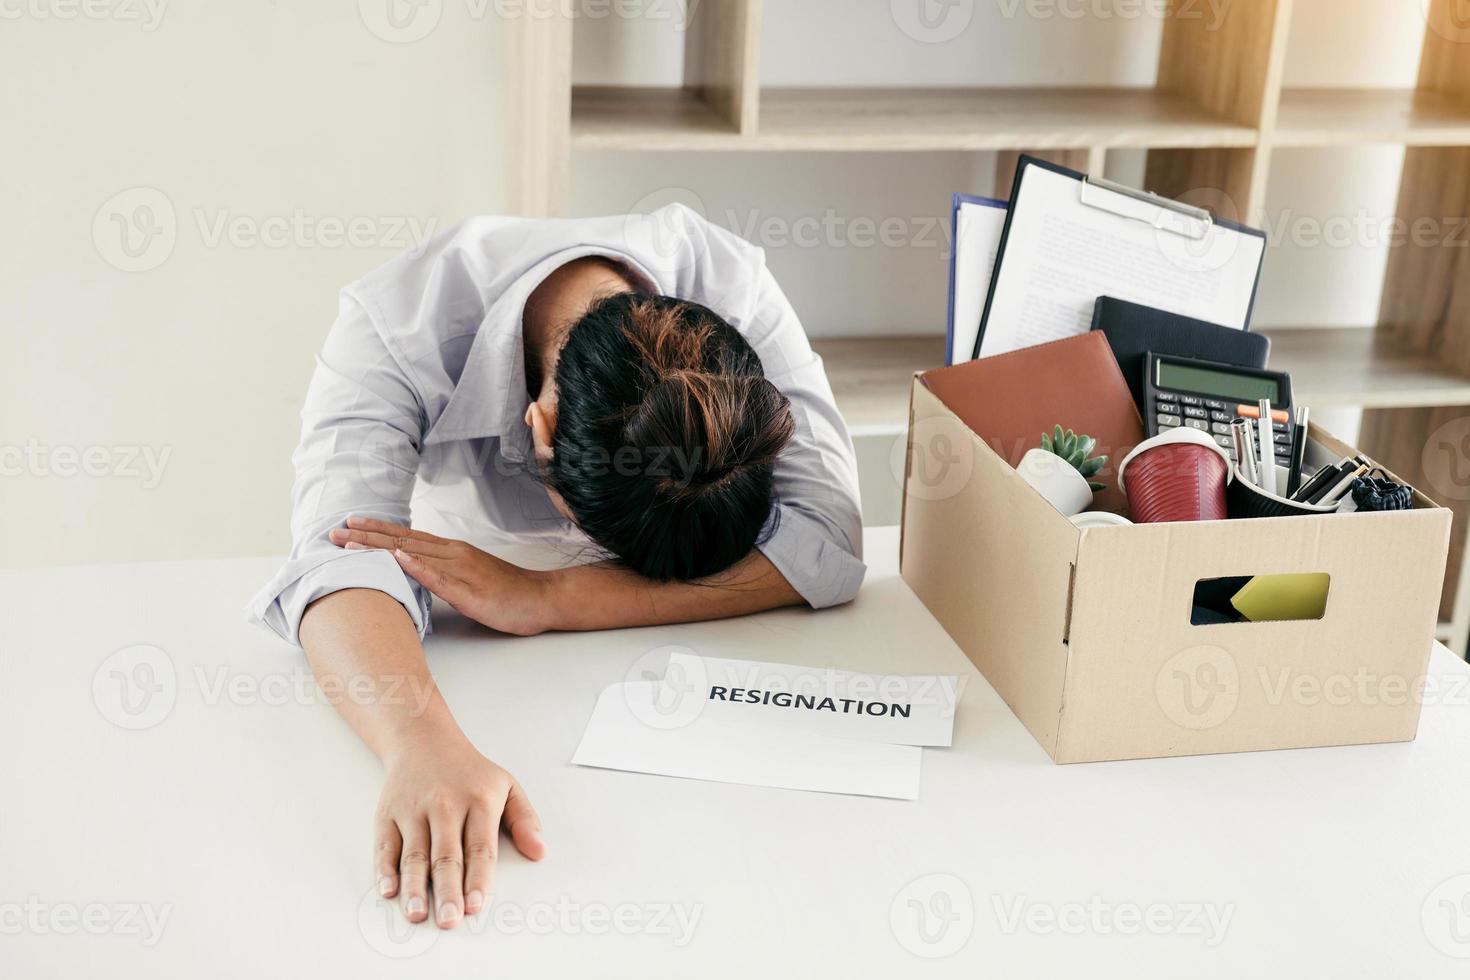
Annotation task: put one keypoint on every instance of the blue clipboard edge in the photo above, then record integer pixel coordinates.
(1005, 236)
(956, 200)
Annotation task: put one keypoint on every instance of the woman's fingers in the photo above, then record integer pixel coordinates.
(446, 825)
(413, 869)
(429, 573)
(441, 862)
(523, 825)
(480, 841)
(393, 530)
(350, 538)
(387, 846)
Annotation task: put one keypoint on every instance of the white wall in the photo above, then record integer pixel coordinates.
(236, 112)
(248, 113)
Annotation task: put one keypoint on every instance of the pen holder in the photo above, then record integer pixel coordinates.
(1244, 499)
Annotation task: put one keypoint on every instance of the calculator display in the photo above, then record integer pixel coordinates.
(1222, 384)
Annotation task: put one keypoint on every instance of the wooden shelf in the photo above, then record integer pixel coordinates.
(646, 119)
(988, 119)
(1347, 117)
(871, 376)
(850, 119)
(1343, 366)
(1332, 367)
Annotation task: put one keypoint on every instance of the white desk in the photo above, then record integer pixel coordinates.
(245, 818)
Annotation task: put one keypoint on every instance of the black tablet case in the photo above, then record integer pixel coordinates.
(1133, 330)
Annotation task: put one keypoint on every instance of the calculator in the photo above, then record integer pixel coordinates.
(1208, 395)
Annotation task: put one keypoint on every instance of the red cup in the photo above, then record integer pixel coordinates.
(1178, 475)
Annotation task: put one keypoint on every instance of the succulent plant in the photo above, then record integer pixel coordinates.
(1075, 449)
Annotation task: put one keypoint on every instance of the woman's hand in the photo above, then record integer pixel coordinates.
(439, 820)
(488, 590)
(580, 597)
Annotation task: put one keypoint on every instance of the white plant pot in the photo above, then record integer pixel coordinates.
(1099, 518)
(1056, 480)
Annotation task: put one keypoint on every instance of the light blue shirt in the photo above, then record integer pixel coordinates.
(419, 396)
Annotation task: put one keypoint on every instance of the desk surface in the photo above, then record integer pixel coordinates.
(229, 835)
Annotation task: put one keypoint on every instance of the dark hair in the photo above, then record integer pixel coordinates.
(667, 433)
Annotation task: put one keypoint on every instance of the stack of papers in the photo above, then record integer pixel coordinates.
(792, 727)
(978, 225)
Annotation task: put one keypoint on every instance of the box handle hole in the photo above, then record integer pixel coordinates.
(1260, 598)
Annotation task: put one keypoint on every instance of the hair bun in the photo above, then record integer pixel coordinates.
(667, 434)
(709, 427)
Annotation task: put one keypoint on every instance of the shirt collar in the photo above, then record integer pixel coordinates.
(490, 398)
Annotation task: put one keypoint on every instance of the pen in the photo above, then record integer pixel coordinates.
(1298, 452)
(1321, 481)
(1268, 447)
(1245, 450)
(1326, 481)
(1341, 487)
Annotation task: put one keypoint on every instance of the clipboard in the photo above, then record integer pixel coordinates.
(974, 246)
(1070, 238)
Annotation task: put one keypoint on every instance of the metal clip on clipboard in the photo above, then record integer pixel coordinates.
(1159, 212)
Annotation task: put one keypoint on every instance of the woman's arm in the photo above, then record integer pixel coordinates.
(585, 597)
(362, 427)
(443, 803)
(603, 596)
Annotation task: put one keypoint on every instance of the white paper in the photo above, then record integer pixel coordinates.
(635, 728)
(1062, 254)
(901, 710)
(978, 229)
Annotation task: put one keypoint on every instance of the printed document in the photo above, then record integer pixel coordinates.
(781, 725)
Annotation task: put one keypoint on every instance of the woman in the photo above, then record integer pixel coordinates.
(638, 388)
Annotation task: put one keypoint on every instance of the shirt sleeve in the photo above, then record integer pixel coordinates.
(814, 536)
(361, 431)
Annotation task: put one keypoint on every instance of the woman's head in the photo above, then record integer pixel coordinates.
(665, 435)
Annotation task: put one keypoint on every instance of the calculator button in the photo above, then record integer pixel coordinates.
(1200, 424)
(1222, 429)
(1282, 438)
(1196, 413)
(1168, 420)
(1166, 396)
(1215, 403)
(1225, 417)
(1226, 441)
(1190, 400)
(1280, 427)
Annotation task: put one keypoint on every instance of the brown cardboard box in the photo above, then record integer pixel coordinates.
(1086, 634)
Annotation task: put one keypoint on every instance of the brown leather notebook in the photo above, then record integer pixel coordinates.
(1009, 400)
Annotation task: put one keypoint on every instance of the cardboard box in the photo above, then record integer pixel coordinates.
(1087, 636)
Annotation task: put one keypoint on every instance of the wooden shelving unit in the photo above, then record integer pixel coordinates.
(1330, 368)
(1209, 124)
(902, 119)
(870, 376)
(1347, 117)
